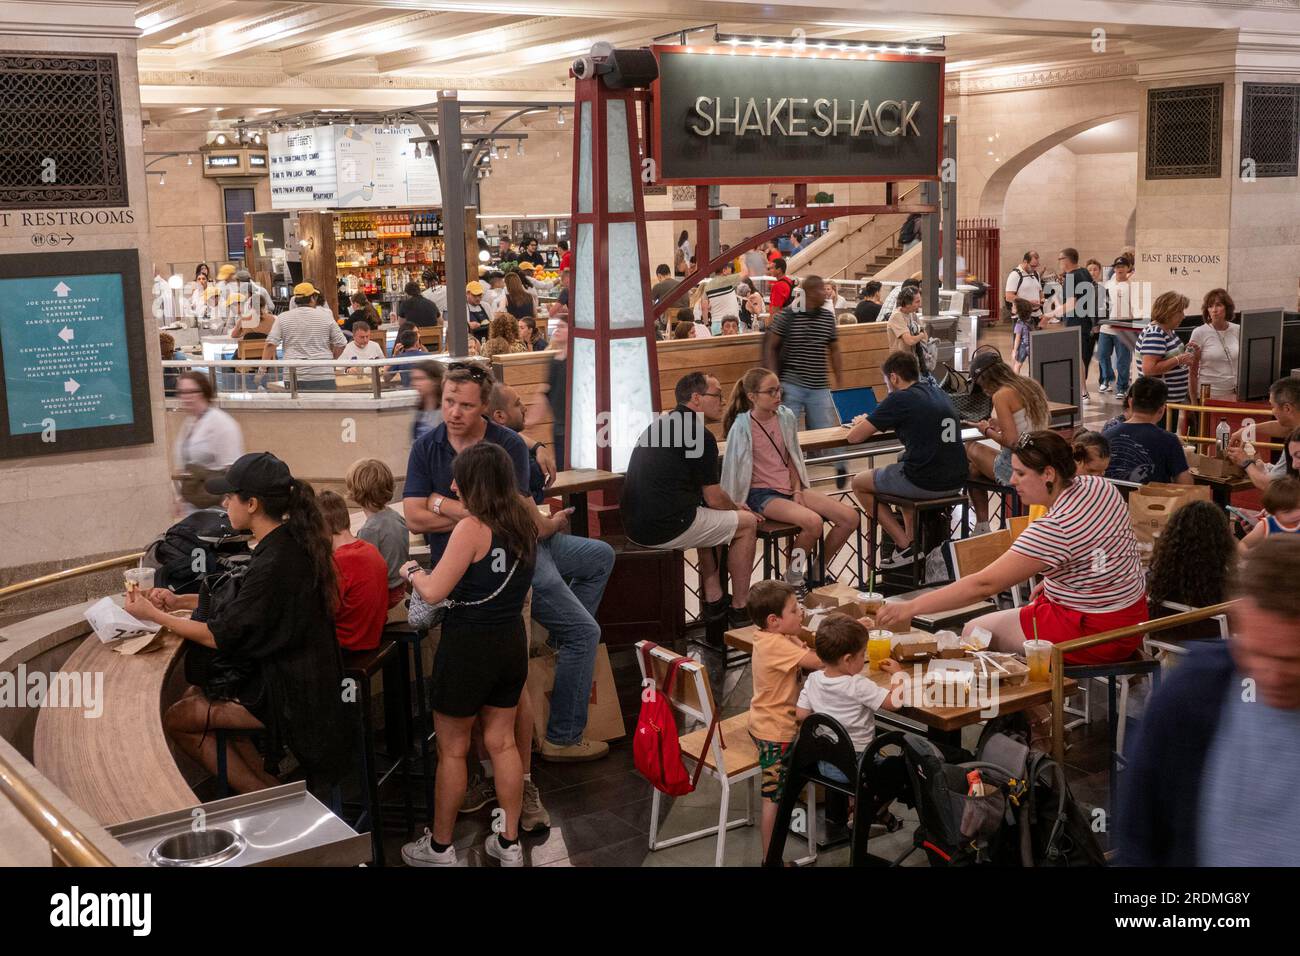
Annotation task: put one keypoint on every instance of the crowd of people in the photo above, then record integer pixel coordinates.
(270, 658)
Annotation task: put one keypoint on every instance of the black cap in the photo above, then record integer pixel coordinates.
(980, 363)
(257, 473)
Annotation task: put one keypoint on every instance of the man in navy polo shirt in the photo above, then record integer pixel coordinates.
(567, 613)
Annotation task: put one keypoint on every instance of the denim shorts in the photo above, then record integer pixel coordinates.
(758, 498)
(890, 480)
(1002, 467)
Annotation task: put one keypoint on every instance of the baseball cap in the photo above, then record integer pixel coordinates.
(243, 275)
(257, 473)
(980, 363)
(474, 288)
(225, 272)
(304, 288)
(526, 266)
(1122, 261)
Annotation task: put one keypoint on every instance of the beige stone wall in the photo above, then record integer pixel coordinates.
(186, 214)
(56, 509)
(1105, 198)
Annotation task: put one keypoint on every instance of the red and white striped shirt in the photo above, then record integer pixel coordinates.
(1087, 542)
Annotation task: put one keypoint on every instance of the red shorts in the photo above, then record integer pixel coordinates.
(1059, 624)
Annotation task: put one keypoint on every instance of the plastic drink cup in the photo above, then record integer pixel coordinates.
(879, 644)
(872, 601)
(1038, 655)
(138, 579)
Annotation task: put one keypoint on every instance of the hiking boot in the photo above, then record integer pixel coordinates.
(533, 816)
(480, 792)
(581, 751)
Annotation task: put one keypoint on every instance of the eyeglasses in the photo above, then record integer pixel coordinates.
(189, 391)
(717, 394)
(769, 391)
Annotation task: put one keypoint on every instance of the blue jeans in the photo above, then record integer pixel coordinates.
(568, 612)
(1106, 345)
(814, 403)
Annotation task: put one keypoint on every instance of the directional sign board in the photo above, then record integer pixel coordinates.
(75, 373)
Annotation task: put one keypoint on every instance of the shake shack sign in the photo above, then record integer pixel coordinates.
(764, 117)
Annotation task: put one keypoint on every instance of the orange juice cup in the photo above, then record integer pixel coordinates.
(1038, 655)
(879, 644)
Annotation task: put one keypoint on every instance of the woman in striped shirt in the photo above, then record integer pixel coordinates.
(1084, 548)
(1161, 352)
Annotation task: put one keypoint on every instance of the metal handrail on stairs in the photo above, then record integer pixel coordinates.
(841, 273)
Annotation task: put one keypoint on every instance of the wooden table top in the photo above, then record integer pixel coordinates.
(1010, 698)
(118, 766)
(578, 480)
(1239, 483)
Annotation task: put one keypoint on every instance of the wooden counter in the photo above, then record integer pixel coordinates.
(117, 766)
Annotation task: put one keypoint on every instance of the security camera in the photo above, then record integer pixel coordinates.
(583, 67)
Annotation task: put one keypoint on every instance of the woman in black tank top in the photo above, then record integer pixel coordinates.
(481, 665)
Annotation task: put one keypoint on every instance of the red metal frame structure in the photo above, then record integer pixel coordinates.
(592, 212)
(979, 243)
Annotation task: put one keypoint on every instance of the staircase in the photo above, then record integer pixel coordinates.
(866, 270)
(856, 251)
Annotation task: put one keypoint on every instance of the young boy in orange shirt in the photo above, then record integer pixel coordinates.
(780, 657)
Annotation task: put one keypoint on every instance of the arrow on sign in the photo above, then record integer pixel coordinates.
(66, 334)
(62, 290)
(71, 386)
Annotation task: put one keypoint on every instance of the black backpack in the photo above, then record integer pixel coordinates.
(1029, 819)
(199, 544)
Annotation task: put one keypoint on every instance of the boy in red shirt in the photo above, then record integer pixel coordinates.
(363, 580)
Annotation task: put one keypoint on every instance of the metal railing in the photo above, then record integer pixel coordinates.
(1106, 637)
(68, 844)
(843, 270)
(1172, 409)
(22, 587)
(384, 374)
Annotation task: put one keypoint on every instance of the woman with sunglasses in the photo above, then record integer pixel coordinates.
(1083, 547)
(764, 467)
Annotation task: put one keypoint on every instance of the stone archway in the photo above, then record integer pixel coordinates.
(993, 197)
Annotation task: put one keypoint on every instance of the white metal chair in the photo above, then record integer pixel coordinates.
(731, 758)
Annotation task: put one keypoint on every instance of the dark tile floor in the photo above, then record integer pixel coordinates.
(600, 811)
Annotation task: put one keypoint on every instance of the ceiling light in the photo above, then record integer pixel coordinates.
(505, 152)
(189, 160)
(484, 255)
(162, 179)
(519, 150)
(560, 118)
(493, 153)
(221, 139)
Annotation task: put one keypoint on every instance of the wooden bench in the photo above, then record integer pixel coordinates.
(729, 357)
(117, 766)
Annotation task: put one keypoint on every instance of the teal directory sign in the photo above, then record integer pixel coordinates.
(71, 349)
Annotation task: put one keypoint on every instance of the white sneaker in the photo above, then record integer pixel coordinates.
(421, 853)
(509, 856)
(981, 527)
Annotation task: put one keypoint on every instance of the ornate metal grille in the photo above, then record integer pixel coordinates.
(60, 131)
(1270, 128)
(1184, 132)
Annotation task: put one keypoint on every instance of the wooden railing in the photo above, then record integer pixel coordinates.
(1093, 640)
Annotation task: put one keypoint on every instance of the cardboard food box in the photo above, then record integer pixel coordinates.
(837, 597)
(914, 646)
(1013, 670)
(1216, 467)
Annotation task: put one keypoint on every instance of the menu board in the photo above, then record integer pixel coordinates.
(304, 172)
(73, 371)
(362, 167)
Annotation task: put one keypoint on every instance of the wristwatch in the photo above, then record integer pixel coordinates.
(437, 504)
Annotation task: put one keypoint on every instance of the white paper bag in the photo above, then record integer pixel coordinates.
(111, 622)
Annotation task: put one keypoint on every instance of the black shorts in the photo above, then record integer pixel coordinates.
(479, 666)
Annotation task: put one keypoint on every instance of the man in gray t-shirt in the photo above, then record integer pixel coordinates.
(307, 332)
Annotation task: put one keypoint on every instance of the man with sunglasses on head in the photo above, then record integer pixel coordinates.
(570, 574)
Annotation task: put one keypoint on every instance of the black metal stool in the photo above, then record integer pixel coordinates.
(411, 644)
(1008, 498)
(222, 736)
(772, 533)
(362, 667)
(921, 507)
